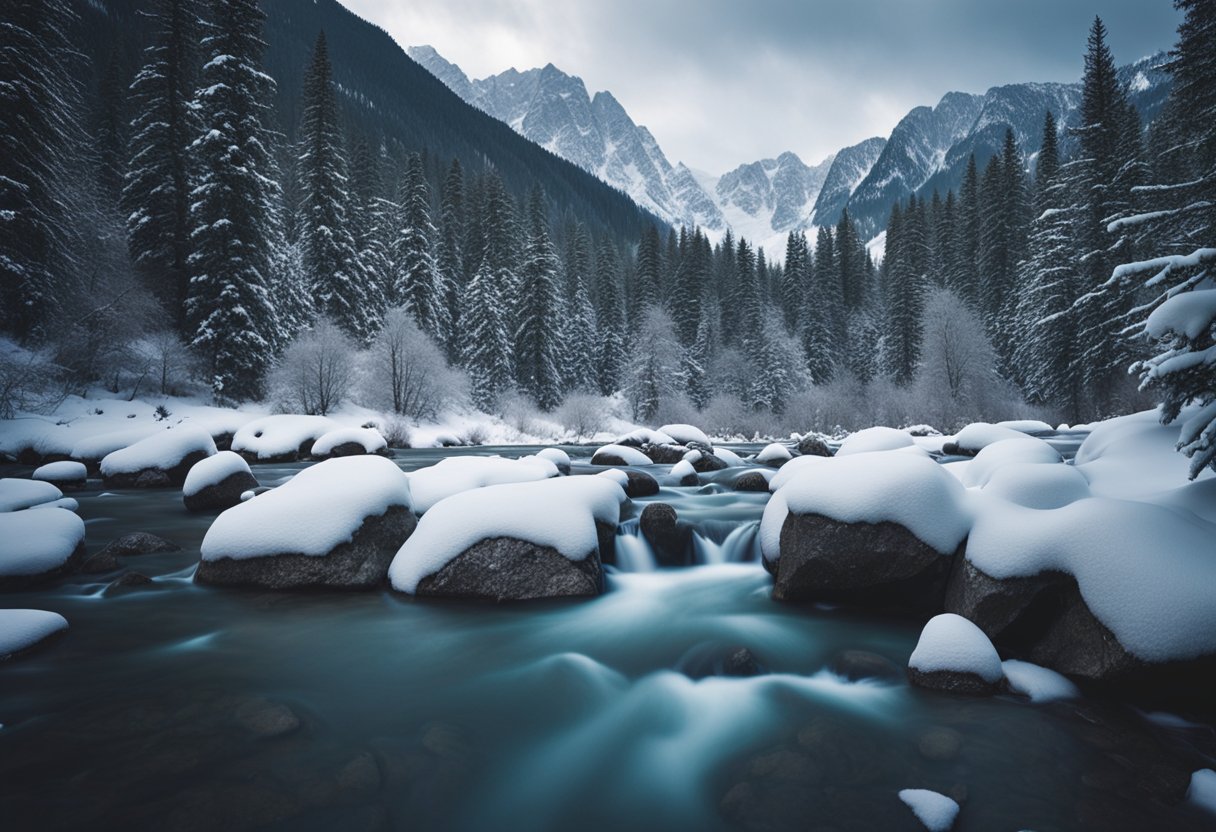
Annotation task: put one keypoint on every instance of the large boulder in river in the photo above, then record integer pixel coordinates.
(349, 442)
(22, 631)
(620, 455)
(67, 475)
(954, 655)
(664, 454)
(513, 542)
(668, 536)
(705, 462)
(217, 482)
(161, 460)
(811, 445)
(337, 524)
(38, 545)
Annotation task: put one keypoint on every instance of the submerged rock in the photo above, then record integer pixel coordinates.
(138, 543)
(855, 665)
(129, 580)
(713, 659)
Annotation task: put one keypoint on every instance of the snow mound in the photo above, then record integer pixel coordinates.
(645, 436)
(875, 439)
(558, 513)
(731, 458)
(63, 502)
(1135, 457)
(936, 811)
(616, 475)
(628, 455)
(22, 629)
(61, 472)
(683, 469)
(775, 452)
(464, 473)
(952, 643)
(212, 471)
(1145, 571)
(1038, 486)
(33, 542)
(999, 454)
(280, 435)
(1039, 683)
(16, 494)
(557, 456)
(103, 444)
(1202, 791)
(312, 513)
(908, 489)
(979, 435)
(369, 438)
(684, 434)
(163, 450)
(1026, 426)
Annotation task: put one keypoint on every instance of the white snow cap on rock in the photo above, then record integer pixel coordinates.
(279, 435)
(979, 435)
(875, 439)
(32, 542)
(936, 811)
(312, 513)
(999, 454)
(558, 513)
(160, 450)
(212, 471)
(103, 444)
(774, 452)
(1039, 683)
(16, 493)
(646, 436)
(463, 473)
(60, 472)
(22, 629)
(628, 455)
(683, 469)
(951, 642)
(731, 458)
(369, 438)
(555, 455)
(683, 434)
(1026, 425)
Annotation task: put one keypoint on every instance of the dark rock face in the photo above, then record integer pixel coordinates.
(602, 457)
(224, 494)
(862, 664)
(751, 481)
(100, 563)
(869, 564)
(138, 543)
(690, 480)
(640, 484)
(151, 478)
(9, 583)
(157, 477)
(361, 563)
(813, 446)
(952, 681)
(708, 463)
(664, 454)
(346, 449)
(507, 569)
(669, 537)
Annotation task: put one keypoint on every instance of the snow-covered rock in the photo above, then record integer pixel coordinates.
(17, 494)
(774, 455)
(217, 482)
(644, 436)
(1038, 683)
(1202, 790)
(513, 542)
(336, 524)
(281, 438)
(811, 445)
(731, 458)
(686, 435)
(93, 449)
(64, 474)
(991, 458)
(684, 474)
(23, 630)
(38, 546)
(1037, 486)
(558, 457)
(636, 483)
(875, 439)
(977, 436)
(349, 442)
(464, 473)
(1030, 426)
(171, 452)
(620, 455)
(954, 655)
(704, 462)
(936, 811)
(755, 480)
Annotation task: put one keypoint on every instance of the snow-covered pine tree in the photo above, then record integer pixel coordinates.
(419, 285)
(746, 296)
(965, 277)
(538, 315)
(823, 332)
(330, 261)
(232, 320)
(688, 292)
(696, 364)
(371, 218)
(650, 289)
(655, 372)
(578, 364)
(450, 256)
(795, 280)
(1002, 195)
(487, 343)
(610, 317)
(40, 143)
(850, 263)
(903, 267)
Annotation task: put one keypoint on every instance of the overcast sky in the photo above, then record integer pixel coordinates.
(722, 82)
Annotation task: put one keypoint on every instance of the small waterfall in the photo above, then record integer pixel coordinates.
(633, 552)
(739, 545)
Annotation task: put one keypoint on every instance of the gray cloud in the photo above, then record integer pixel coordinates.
(721, 82)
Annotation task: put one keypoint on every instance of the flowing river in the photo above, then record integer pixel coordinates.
(179, 707)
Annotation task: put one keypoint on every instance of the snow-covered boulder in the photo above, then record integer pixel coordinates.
(704, 462)
(93, 449)
(636, 483)
(731, 458)
(1201, 792)
(811, 445)
(39, 546)
(644, 436)
(754, 480)
(664, 454)
(168, 452)
(977, 436)
(994, 457)
(558, 457)
(774, 455)
(686, 435)
(464, 473)
(24, 630)
(1038, 486)
(684, 474)
(670, 538)
(875, 439)
(873, 528)
(349, 442)
(935, 811)
(336, 524)
(1028, 426)
(280, 438)
(217, 482)
(513, 542)
(65, 474)
(954, 655)
(17, 494)
(620, 455)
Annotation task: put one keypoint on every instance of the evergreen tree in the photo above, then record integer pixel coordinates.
(231, 318)
(610, 315)
(156, 190)
(823, 331)
(538, 336)
(795, 281)
(650, 273)
(965, 280)
(419, 285)
(111, 126)
(371, 218)
(486, 352)
(904, 290)
(850, 263)
(451, 252)
(688, 292)
(696, 364)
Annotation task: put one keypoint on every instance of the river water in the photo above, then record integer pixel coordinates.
(175, 706)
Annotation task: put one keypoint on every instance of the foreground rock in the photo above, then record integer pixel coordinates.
(751, 481)
(217, 483)
(336, 524)
(162, 459)
(954, 655)
(22, 631)
(670, 538)
(514, 542)
(639, 484)
(38, 546)
(137, 543)
(66, 475)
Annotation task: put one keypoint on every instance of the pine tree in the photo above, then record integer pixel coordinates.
(330, 262)
(419, 285)
(371, 217)
(904, 290)
(696, 364)
(487, 345)
(451, 251)
(650, 272)
(965, 280)
(850, 259)
(795, 281)
(231, 317)
(823, 331)
(111, 126)
(610, 315)
(688, 292)
(537, 335)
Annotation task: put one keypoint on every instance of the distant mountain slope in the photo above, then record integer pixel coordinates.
(849, 168)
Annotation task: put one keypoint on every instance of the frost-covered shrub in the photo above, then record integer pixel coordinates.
(728, 415)
(29, 381)
(169, 366)
(656, 371)
(395, 430)
(316, 373)
(584, 414)
(405, 372)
